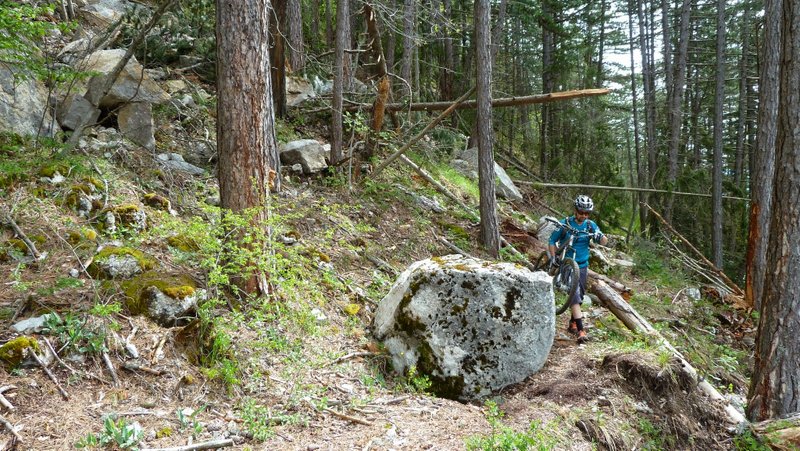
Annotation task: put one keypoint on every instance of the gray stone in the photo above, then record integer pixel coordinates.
(469, 167)
(135, 122)
(471, 326)
(74, 109)
(693, 293)
(168, 311)
(200, 152)
(31, 325)
(132, 84)
(23, 105)
(175, 162)
(298, 89)
(306, 152)
(103, 13)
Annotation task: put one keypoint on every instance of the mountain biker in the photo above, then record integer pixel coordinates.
(580, 253)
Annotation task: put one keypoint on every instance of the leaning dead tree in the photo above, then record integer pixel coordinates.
(637, 323)
(496, 103)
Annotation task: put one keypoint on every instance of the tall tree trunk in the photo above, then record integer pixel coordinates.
(277, 55)
(490, 234)
(741, 125)
(339, 75)
(449, 53)
(601, 45)
(407, 62)
(248, 151)
(315, 25)
(763, 168)
(641, 175)
(775, 384)
(294, 22)
(667, 43)
(497, 32)
(329, 37)
(649, 95)
(548, 85)
(717, 213)
(676, 104)
(391, 43)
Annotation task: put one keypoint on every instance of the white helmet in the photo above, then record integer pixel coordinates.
(584, 203)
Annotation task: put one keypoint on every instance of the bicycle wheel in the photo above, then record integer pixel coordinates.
(566, 282)
(541, 262)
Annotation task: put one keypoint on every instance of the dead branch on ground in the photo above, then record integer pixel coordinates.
(10, 428)
(50, 375)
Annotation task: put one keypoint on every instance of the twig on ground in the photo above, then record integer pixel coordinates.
(347, 417)
(130, 366)
(352, 355)
(155, 358)
(31, 247)
(3, 401)
(110, 366)
(213, 444)
(10, 428)
(50, 375)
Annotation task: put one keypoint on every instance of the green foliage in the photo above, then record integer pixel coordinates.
(749, 442)
(119, 434)
(654, 438)
(190, 421)
(506, 438)
(653, 264)
(74, 333)
(259, 420)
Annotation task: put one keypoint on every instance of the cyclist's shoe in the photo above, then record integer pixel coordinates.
(572, 327)
(582, 337)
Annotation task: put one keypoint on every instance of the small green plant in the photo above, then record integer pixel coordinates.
(190, 420)
(749, 442)
(504, 437)
(416, 381)
(106, 310)
(118, 433)
(74, 334)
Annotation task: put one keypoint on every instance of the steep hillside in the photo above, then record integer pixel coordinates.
(298, 369)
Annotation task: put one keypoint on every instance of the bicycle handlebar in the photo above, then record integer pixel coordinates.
(569, 228)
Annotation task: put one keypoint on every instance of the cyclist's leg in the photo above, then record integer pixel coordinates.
(575, 305)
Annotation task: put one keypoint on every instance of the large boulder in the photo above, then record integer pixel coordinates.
(308, 153)
(132, 84)
(467, 163)
(23, 105)
(136, 123)
(471, 326)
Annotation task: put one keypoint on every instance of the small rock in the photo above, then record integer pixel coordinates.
(318, 315)
(74, 273)
(31, 325)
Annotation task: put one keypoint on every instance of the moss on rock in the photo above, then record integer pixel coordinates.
(157, 201)
(176, 286)
(98, 269)
(13, 352)
(184, 243)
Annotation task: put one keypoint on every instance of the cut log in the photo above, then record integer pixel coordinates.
(614, 302)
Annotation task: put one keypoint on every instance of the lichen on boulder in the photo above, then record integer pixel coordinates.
(167, 299)
(114, 262)
(471, 326)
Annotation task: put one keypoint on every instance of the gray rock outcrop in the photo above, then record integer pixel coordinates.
(135, 122)
(309, 153)
(132, 84)
(471, 326)
(23, 105)
(467, 163)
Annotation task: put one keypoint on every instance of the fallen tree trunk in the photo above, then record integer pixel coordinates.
(472, 104)
(779, 433)
(637, 323)
(540, 185)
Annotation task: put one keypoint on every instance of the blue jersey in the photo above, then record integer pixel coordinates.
(580, 245)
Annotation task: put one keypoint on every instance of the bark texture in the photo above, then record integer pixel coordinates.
(490, 231)
(775, 385)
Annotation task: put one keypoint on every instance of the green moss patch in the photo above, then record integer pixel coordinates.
(12, 353)
(184, 243)
(97, 268)
(157, 201)
(176, 286)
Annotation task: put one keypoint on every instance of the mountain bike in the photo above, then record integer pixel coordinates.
(565, 271)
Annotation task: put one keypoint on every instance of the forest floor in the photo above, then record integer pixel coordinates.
(300, 370)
